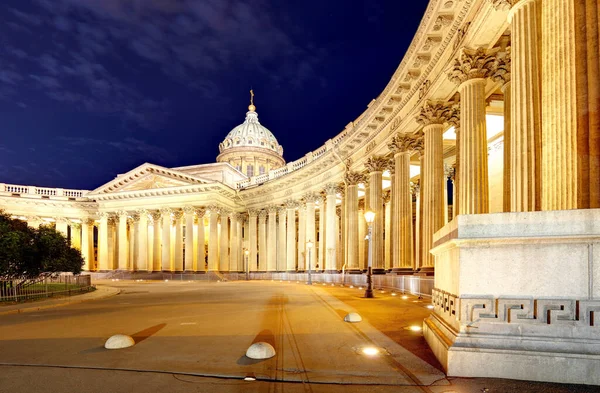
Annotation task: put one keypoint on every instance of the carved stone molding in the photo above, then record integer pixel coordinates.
(376, 164)
(434, 112)
(405, 143)
(353, 178)
(472, 64)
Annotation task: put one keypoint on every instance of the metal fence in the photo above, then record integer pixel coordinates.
(414, 285)
(62, 285)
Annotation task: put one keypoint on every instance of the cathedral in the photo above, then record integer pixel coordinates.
(480, 160)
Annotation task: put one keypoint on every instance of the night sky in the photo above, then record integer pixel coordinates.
(92, 88)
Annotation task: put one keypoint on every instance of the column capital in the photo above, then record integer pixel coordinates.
(354, 178)
(76, 225)
(262, 214)
(473, 64)
(361, 204)
(290, 204)
(156, 215)
(454, 116)
(61, 220)
(213, 209)
(177, 214)
(272, 209)
(166, 212)
(376, 164)
(310, 197)
(200, 212)
(387, 196)
(501, 68)
(338, 211)
(415, 188)
(135, 217)
(405, 143)
(188, 209)
(253, 212)
(434, 112)
(122, 213)
(142, 211)
(88, 221)
(332, 188)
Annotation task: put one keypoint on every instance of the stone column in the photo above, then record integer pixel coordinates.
(62, 225)
(387, 229)
(301, 237)
(331, 190)
(321, 235)
(123, 244)
(224, 260)
(262, 241)
(352, 179)
(502, 75)
(142, 243)
(165, 259)
(103, 242)
(156, 241)
(178, 249)
(470, 71)
(454, 120)
(310, 199)
(570, 104)
(34, 221)
(376, 165)
(213, 239)
(234, 242)
(188, 262)
(281, 239)
(253, 239)
(87, 243)
(524, 136)
(75, 235)
(362, 232)
(416, 190)
(291, 206)
(201, 242)
(433, 116)
(272, 239)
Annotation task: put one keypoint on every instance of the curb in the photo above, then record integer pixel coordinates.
(101, 292)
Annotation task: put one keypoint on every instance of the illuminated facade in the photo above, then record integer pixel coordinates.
(499, 96)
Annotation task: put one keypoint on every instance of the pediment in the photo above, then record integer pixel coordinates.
(149, 177)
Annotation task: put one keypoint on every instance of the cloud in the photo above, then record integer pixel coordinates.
(132, 146)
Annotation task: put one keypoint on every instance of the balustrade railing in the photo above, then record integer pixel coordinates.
(40, 191)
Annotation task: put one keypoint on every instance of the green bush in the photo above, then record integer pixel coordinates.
(27, 252)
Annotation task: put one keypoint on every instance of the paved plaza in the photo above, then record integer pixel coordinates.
(192, 337)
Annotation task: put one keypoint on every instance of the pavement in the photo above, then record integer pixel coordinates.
(192, 337)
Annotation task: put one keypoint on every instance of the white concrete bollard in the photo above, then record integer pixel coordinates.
(353, 317)
(119, 341)
(260, 350)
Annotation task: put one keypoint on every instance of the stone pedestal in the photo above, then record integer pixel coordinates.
(504, 296)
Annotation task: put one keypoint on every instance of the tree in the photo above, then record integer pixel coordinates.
(28, 253)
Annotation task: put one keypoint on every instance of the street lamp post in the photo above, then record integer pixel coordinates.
(370, 217)
(309, 245)
(246, 253)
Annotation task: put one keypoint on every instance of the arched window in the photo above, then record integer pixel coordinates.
(250, 170)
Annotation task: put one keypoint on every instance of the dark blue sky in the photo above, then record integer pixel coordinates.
(93, 88)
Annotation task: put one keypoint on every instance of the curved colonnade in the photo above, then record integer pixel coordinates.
(502, 97)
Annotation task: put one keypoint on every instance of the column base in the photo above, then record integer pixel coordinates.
(425, 271)
(354, 271)
(331, 271)
(404, 271)
(379, 271)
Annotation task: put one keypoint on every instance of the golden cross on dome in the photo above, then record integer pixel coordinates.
(252, 107)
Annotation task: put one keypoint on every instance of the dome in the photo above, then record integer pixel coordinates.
(251, 134)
